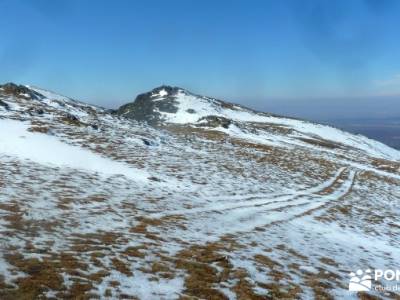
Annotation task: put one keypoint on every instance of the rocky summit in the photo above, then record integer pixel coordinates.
(149, 106)
(166, 104)
(181, 196)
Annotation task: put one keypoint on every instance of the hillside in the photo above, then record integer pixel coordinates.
(177, 195)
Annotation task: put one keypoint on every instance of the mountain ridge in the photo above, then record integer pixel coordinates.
(167, 105)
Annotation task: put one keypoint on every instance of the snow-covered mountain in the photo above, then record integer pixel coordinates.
(180, 196)
(173, 105)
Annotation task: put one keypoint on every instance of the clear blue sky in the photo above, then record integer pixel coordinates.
(263, 53)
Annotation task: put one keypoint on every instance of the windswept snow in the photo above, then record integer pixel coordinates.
(16, 140)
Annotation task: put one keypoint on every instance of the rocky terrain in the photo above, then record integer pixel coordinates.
(180, 196)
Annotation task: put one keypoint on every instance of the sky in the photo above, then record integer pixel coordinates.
(316, 59)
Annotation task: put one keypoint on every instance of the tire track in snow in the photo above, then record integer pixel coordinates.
(207, 226)
(311, 192)
(323, 202)
(222, 207)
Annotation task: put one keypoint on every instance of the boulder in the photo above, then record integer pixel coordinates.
(214, 121)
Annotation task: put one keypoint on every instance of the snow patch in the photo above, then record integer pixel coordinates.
(16, 141)
(161, 93)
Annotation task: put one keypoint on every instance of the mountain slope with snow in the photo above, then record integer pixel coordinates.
(173, 105)
(203, 200)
